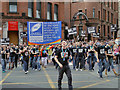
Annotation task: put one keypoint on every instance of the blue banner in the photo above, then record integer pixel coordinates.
(40, 33)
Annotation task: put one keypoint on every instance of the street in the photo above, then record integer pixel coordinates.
(47, 78)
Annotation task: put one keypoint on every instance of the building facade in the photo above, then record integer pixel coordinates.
(118, 33)
(119, 13)
(15, 16)
(101, 15)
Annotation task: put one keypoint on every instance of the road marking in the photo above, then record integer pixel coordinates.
(44, 82)
(5, 77)
(48, 78)
(44, 75)
(95, 84)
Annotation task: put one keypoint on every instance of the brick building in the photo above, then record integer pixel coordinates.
(118, 33)
(100, 15)
(18, 13)
(119, 12)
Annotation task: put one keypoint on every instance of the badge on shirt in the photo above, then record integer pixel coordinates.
(26, 53)
(102, 51)
(80, 50)
(109, 51)
(74, 50)
(11, 50)
(85, 50)
(64, 54)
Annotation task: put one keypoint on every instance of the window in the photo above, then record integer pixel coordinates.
(104, 14)
(13, 6)
(115, 6)
(108, 16)
(30, 8)
(104, 31)
(108, 30)
(56, 12)
(104, 2)
(111, 18)
(76, 0)
(99, 15)
(86, 12)
(80, 30)
(98, 29)
(49, 11)
(93, 12)
(108, 3)
(38, 9)
(111, 4)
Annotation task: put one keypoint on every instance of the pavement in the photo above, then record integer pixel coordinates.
(47, 78)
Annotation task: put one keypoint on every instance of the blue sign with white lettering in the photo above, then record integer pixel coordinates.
(40, 33)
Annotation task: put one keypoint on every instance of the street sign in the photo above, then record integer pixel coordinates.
(91, 29)
(41, 33)
(113, 28)
(66, 27)
(74, 30)
(83, 35)
(5, 41)
(96, 35)
(70, 32)
(23, 34)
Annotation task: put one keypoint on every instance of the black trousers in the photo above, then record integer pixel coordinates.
(118, 59)
(16, 60)
(81, 61)
(67, 71)
(31, 61)
(54, 62)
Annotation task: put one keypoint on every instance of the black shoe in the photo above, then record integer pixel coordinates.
(101, 77)
(60, 88)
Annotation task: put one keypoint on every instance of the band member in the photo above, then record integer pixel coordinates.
(25, 59)
(91, 56)
(74, 55)
(62, 57)
(44, 54)
(54, 50)
(85, 53)
(16, 55)
(102, 62)
(110, 59)
(80, 57)
(31, 56)
(11, 56)
(3, 53)
(36, 59)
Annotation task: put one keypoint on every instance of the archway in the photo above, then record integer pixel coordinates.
(75, 18)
